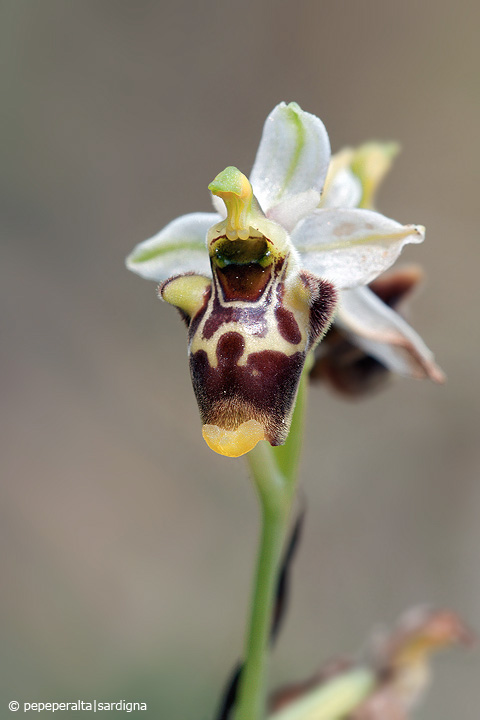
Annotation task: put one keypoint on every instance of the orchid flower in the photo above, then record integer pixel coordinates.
(258, 281)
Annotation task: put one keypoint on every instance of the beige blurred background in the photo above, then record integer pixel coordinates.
(127, 546)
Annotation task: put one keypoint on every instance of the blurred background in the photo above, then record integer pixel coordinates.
(127, 546)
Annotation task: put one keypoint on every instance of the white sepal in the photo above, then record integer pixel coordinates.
(178, 248)
(293, 155)
(384, 334)
(351, 247)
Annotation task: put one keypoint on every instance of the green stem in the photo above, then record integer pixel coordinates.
(251, 703)
(275, 508)
(274, 472)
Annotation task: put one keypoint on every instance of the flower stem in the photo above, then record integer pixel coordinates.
(270, 486)
(274, 473)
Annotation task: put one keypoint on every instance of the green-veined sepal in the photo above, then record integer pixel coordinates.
(351, 247)
(178, 248)
(292, 157)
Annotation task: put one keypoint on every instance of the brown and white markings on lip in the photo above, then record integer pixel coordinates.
(246, 357)
(251, 326)
(266, 320)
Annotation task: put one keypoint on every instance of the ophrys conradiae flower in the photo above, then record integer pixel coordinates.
(258, 285)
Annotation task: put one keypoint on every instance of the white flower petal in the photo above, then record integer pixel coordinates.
(384, 334)
(344, 191)
(294, 208)
(178, 248)
(351, 247)
(292, 157)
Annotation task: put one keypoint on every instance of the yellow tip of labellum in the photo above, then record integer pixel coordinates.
(233, 443)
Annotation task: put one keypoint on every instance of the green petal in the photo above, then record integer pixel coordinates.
(370, 163)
